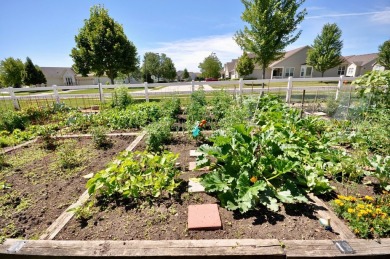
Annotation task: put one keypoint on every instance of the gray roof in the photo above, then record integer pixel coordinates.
(361, 60)
(54, 71)
(288, 54)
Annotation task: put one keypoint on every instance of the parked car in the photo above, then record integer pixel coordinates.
(211, 79)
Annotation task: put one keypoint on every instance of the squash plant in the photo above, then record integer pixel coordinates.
(137, 175)
(279, 159)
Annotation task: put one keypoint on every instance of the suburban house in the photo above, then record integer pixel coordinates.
(59, 75)
(294, 64)
(360, 64)
(193, 75)
(66, 76)
(230, 69)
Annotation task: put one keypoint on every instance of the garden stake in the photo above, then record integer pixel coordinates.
(303, 101)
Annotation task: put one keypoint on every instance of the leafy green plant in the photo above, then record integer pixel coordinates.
(220, 103)
(99, 137)
(331, 106)
(278, 160)
(137, 175)
(382, 170)
(11, 120)
(374, 87)
(197, 108)
(68, 156)
(82, 212)
(47, 135)
(121, 98)
(171, 107)
(158, 133)
(368, 217)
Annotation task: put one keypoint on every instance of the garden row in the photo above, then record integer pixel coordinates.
(262, 157)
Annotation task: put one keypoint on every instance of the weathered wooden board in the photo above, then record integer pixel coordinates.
(246, 248)
(9, 149)
(326, 248)
(337, 224)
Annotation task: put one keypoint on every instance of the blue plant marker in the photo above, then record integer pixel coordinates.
(195, 131)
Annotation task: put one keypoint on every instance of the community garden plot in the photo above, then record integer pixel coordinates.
(38, 184)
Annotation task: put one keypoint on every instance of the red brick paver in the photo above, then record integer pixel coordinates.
(205, 216)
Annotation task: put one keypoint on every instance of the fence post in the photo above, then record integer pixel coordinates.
(241, 85)
(13, 97)
(289, 89)
(339, 85)
(146, 91)
(192, 86)
(56, 95)
(101, 94)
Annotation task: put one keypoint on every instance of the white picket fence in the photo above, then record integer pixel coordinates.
(180, 88)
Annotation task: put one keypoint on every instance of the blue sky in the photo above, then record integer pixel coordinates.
(185, 30)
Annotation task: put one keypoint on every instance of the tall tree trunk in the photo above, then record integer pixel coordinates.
(262, 92)
(112, 80)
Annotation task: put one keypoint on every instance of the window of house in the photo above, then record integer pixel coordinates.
(351, 71)
(289, 71)
(306, 71)
(341, 71)
(277, 72)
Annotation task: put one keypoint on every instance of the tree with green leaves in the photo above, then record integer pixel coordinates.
(151, 65)
(41, 79)
(384, 55)
(158, 65)
(211, 66)
(185, 74)
(245, 65)
(272, 24)
(11, 72)
(325, 53)
(32, 74)
(167, 68)
(102, 47)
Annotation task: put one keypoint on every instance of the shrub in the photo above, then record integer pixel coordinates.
(11, 120)
(158, 133)
(331, 106)
(171, 107)
(221, 103)
(99, 137)
(68, 156)
(121, 98)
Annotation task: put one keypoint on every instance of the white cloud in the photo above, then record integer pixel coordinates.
(382, 17)
(190, 52)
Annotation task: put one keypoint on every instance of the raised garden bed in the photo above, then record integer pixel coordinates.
(37, 188)
(167, 219)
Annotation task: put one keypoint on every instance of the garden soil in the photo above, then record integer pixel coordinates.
(36, 197)
(166, 219)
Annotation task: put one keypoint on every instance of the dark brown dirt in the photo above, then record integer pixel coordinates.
(167, 219)
(47, 190)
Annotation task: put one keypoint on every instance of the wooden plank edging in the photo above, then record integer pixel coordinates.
(244, 248)
(336, 223)
(225, 248)
(9, 149)
(64, 218)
